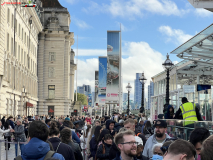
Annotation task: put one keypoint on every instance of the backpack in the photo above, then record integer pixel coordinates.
(48, 155)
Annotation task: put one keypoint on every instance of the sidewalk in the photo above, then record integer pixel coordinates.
(11, 152)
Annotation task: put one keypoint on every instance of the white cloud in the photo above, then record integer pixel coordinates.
(174, 35)
(71, 1)
(136, 8)
(80, 23)
(203, 12)
(175, 62)
(141, 58)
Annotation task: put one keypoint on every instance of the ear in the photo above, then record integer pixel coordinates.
(165, 154)
(120, 146)
(183, 156)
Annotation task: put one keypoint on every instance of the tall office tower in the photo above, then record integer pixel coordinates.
(138, 91)
(150, 93)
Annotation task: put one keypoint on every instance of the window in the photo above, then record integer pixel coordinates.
(21, 55)
(15, 49)
(12, 19)
(19, 52)
(11, 46)
(8, 15)
(22, 34)
(19, 30)
(52, 56)
(51, 72)
(8, 41)
(16, 25)
(24, 37)
(51, 91)
(24, 58)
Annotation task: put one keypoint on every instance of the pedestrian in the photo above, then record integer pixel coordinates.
(37, 147)
(104, 148)
(97, 122)
(130, 125)
(58, 146)
(26, 125)
(48, 122)
(110, 124)
(88, 119)
(127, 145)
(197, 137)
(160, 136)
(19, 135)
(101, 137)
(165, 147)
(94, 141)
(189, 113)
(11, 121)
(2, 131)
(3, 120)
(170, 112)
(7, 135)
(66, 137)
(140, 148)
(157, 152)
(91, 135)
(148, 130)
(183, 150)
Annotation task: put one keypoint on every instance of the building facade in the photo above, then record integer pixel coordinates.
(19, 29)
(138, 90)
(56, 66)
(85, 89)
(150, 94)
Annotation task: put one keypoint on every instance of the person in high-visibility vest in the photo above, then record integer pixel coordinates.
(190, 114)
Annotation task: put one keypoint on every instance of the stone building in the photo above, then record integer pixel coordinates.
(56, 66)
(19, 29)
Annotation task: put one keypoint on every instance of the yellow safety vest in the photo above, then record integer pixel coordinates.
(189, 113)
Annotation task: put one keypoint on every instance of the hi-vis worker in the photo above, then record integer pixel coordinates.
(189, 112)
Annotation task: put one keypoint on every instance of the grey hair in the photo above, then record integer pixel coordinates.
(19, 119)
(156, 145)
(122, 129)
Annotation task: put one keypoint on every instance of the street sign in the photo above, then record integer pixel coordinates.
(188, 88)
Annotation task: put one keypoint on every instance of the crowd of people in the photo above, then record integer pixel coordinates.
(120, 137)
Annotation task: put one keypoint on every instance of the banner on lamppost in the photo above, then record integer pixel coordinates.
(89, 100)
(113, 60)
(102, 80)
(96, 86)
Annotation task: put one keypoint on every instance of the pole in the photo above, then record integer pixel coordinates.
(142, 97)
(76, 97)
(128, 104)
(120, 58)
(167, 88)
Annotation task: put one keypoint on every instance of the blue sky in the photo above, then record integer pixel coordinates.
(150, 30)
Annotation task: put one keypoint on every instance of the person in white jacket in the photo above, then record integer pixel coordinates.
(3, 131)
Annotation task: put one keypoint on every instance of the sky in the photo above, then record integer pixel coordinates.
(150, 30)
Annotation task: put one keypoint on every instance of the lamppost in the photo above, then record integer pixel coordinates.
(167, 66)
(143, 80)
(128, 88)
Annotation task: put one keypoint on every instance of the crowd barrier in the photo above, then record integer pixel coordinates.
(182, 129)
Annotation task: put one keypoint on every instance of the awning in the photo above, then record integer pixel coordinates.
(29, 105)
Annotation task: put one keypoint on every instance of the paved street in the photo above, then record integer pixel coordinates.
(11, 152)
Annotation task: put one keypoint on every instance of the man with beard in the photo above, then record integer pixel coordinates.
(159, 137)
(127, 145)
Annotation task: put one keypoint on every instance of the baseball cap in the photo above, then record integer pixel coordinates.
(160, 123)
(121, 121)
(139, 140)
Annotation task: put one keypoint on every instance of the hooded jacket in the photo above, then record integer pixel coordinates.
(100, 155)
(37, 149)
(167, 115)
(147, 152)
(63, 148)
(107, 127)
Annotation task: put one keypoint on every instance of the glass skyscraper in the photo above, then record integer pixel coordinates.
(138, 91)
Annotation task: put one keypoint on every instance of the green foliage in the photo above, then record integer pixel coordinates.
(82, 98)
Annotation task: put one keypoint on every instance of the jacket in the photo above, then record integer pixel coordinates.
(168, 115)
(76, 150)
(147, 152)
(177, 114)
(37, 149)
(2, 132)
(113, 151)
(12, 124)
(100, 155)
(64, 149)
(107, 127)
(19, 133)
(93, 147)
(74, 135)
(118, 157)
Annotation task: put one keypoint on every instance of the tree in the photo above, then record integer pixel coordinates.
(82, 98)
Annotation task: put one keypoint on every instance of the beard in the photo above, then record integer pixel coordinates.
(131, 153)
(159, 135)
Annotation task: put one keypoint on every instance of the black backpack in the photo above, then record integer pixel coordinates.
(48, 155)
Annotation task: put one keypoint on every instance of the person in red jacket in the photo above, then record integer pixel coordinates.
(88, 119)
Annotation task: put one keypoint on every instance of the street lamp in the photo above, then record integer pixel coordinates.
(128, 88)
(143, 80)
(167, 66)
